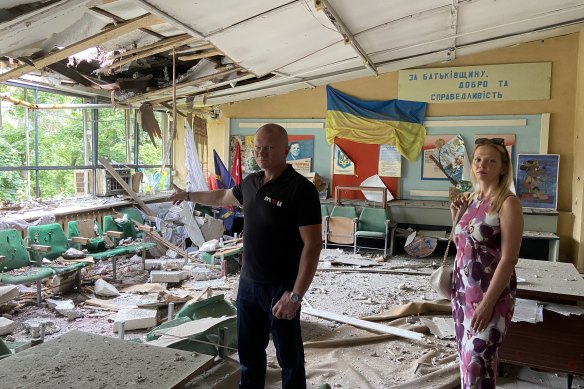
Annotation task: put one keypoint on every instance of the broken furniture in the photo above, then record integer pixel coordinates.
(126, 230)
(53, 236)
(201, 326)
(540, 239)
(94, 361)
(557, 342)
(88, 235)
(17, 266)
(341, 226)
(373, 223)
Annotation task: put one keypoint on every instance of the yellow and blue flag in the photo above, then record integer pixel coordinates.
(395, 122)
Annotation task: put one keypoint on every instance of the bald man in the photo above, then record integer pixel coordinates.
(281, 247)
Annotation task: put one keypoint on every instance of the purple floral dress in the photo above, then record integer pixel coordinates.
(478, 252)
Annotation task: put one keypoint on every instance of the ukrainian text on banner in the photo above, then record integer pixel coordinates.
(523, 81)
(394, 122)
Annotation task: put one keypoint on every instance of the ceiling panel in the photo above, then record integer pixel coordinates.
(278, 40)
(366, 14)
(484, 20)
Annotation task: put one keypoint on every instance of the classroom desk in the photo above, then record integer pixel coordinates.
(557, 343)
(82, 360)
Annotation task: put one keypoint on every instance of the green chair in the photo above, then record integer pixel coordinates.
(87, 234)
(341, 226)
(125, 229)
(373, 223)
(53, 236)
(17, 266)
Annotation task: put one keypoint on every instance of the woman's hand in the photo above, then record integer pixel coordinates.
(482, 316)
(459, 204)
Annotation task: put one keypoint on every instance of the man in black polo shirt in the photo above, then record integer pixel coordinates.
(282, 243)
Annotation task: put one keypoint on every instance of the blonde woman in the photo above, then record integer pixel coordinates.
(488, 238)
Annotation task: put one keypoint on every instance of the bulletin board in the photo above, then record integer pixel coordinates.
(531, 137)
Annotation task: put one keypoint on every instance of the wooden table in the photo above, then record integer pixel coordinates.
(556, 343)
(82, 360)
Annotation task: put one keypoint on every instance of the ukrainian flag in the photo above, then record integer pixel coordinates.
(395, 122)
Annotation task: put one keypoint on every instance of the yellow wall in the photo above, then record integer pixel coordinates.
(563, 52)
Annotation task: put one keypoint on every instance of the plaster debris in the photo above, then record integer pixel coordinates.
(8, 293)
(105, 289)
(135, 319)
(7, 326)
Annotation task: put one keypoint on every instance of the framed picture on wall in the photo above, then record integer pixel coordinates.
(537, 180)
(444, 150)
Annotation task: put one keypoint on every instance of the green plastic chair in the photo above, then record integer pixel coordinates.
(89, 229)
(52, 235)
(128, 230)
(374, 223)
(16, 256)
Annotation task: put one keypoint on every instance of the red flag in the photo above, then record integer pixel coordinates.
(236, 172)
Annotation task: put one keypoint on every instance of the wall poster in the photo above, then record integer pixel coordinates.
(301, 152)
(537, 180)
(389, 161)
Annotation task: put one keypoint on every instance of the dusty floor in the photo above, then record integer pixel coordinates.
(341, 288)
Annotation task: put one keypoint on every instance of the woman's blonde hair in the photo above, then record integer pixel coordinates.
(505, 179)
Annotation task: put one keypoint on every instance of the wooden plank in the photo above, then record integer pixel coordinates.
(168, 90)
(105, 162)
(363, 324)
(92, 41)
(146, 53)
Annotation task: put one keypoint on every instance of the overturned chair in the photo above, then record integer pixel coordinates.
(373, 223)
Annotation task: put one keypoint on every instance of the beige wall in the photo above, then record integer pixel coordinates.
(563, 52)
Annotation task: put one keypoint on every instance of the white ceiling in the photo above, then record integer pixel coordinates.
(269, 47)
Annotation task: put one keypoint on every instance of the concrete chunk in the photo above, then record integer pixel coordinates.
(7, 293)
(168, 276)
(135, 319)
(104, 288)
(6, 326)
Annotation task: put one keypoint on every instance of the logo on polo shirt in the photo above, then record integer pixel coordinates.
(273, 201)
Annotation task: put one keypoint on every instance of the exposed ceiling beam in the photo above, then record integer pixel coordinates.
(206, 89)
(118, 19)
(92, 41)
(204, 54)
(347, 35)
(160, 47)
(168, 90)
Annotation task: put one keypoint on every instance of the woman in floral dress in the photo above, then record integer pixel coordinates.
(488, 238)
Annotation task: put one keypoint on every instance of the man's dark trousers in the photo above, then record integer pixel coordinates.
(254, 324)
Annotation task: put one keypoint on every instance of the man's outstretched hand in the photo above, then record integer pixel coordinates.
(178, 195)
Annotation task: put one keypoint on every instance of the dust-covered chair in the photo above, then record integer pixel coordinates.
(373, 223)
(122, 229)
(53, 236)
(341, 226)
(17, 266)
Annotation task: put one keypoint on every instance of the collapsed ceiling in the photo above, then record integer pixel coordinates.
(206, 53)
